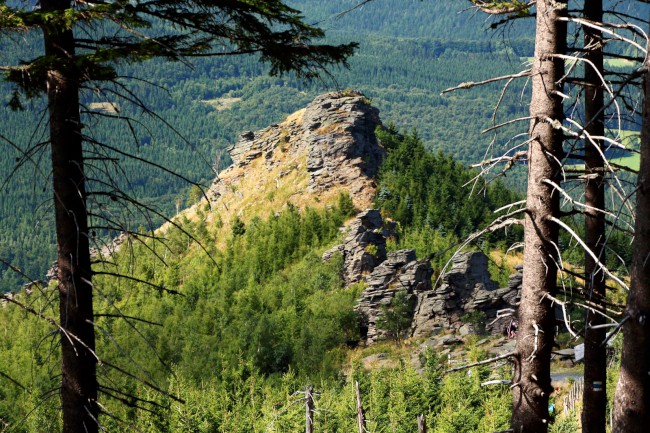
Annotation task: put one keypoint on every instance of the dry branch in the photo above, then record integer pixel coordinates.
(485, 361)
(470, 84)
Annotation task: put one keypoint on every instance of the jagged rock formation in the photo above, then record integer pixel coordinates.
(364, 247)
(365, 259)
(400, 271)
(466, 288)
(336, 132)
(340, 133)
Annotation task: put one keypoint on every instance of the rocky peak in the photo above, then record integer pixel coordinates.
(339, 130)
(336, 133)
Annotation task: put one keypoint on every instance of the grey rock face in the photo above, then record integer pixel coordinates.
(364, 247)
(465, 289)
(338, 132)
(399, 272)
(385, 274)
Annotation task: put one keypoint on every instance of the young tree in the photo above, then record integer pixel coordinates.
(397, 317)
(632, 398)
(84, 43)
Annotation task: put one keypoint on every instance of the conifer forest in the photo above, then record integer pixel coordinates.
(266, 216)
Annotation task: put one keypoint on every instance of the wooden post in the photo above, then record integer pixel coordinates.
(422, 424)
(361, 417)
(309, 410)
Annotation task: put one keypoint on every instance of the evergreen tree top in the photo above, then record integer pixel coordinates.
(108, 33)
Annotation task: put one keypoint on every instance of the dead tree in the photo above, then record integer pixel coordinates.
(594, 403)
(309, 410)
(632, 398)
(78, 360)
(422, 424)
(535, 336)
(361, 416)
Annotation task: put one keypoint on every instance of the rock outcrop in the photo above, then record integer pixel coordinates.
(399, 272)
(343, 149)
(385, 274)
(337, 133)
(465, 289)
(364, 247)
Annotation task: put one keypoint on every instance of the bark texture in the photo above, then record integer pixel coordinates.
(594, 406)
(78, 363)
(632, 398)
(536, 313)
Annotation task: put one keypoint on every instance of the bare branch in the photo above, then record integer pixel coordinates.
(500, 125)
(603, 28)
(485, 361)
(138, 280)
(588, 250)
(470, 84)
(565, 315)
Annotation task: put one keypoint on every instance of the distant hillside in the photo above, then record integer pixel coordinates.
(409, 51)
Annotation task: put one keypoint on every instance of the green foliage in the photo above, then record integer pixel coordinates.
(267, 297)
(499, 271)
(194, 196)
(27, 355)
(468, 407)
(565, 424)
(429, 196)
(238, 226)
(396, 318)
(477, 319)
(422, 189)
(434, 367)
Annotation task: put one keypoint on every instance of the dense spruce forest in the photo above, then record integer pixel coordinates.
(223, 217)
(405, 59)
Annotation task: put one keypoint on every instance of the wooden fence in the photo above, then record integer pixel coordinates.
(575, 395)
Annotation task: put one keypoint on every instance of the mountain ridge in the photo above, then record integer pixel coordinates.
(317, 153)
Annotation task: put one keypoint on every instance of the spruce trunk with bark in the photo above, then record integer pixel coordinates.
(535, 336)
(78, 363)
(594, 403)
(632, 398)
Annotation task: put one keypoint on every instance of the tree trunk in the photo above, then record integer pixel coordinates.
(632, 398)
(309, 410)
(536, 329)
(422, 424)
(594, 406)
(361, 416)
(78, 363)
